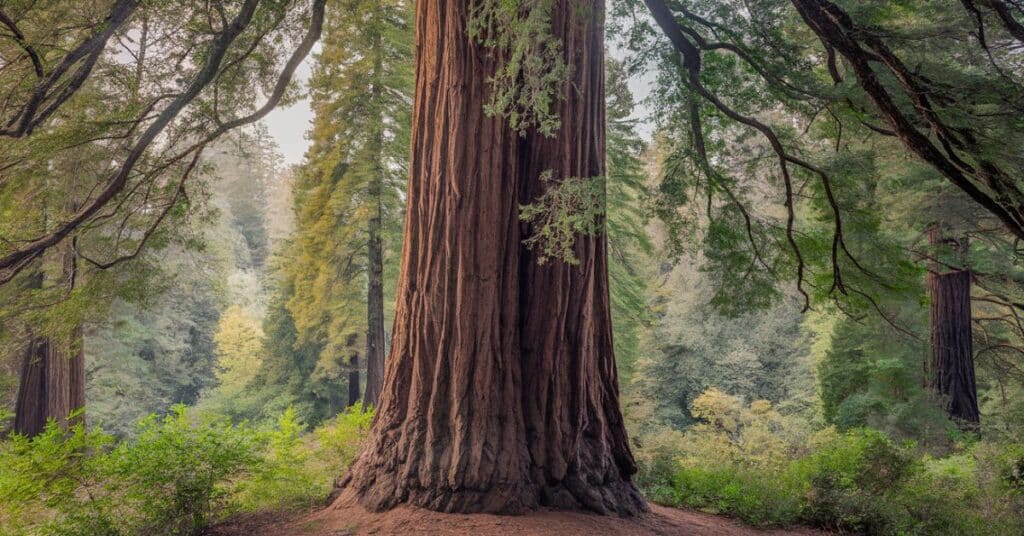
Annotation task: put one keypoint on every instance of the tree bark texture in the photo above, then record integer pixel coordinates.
(952, 353)
(500, 392)
(52, 386)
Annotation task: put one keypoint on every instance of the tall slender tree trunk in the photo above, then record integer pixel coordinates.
(353, 380)
(952, 352)
(52, 382)
(375, 246)
(375, 301)
(500, 392)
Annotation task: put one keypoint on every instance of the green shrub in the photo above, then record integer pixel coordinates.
(747, 461)
(171, 479)
(174, 478)
(340, 440)
(43, 478)
(848, 477)
(758, 496)
(279, 480)
(733, 462)
(657, 464)
(299, 470)
(179, 474)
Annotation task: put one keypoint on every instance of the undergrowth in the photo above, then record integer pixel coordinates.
(177, 475)
(750, 462)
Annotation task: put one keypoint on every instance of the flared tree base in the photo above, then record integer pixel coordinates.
(380, 491)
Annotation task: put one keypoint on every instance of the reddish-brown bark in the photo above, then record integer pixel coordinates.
(952, 358)
(52, 386)
(952, 353)
(52, 381)
(500, 391)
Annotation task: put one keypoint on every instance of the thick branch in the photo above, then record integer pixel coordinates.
(835, 28)
(15, 261)
(30, 115)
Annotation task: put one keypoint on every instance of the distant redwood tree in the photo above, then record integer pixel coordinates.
(500, 392)
(52, 380)
(952, 350)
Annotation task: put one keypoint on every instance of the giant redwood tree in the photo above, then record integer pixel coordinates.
(500, 391)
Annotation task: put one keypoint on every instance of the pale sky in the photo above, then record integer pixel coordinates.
(289, 125)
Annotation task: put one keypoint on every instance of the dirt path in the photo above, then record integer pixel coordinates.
(347, 520)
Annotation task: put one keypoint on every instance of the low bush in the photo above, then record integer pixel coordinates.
(747, 461)
(298, 470)
(179, 473)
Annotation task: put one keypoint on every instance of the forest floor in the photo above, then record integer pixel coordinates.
(356, 521)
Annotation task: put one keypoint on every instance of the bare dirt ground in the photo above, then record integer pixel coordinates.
(353, 520)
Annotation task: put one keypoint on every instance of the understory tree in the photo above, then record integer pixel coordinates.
(630, 250)
(347, 202)
(348, 191)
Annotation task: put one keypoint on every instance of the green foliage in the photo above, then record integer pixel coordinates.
(40, 479)
(279, 478)
(284, 377)
(246, 164)
(630, 250)
(872, 376)
(174, 476)
(156, 348)
(568, 208)
(757, 496)
(769, 470)
(298, 470)
(68, 162)
(179, 473)
(172, 479)
(349, 187)
(758, 355)
(339, 441)
(849, 477)
(531, 76)
(239, 340)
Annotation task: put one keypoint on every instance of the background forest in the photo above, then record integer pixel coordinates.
(776, 353)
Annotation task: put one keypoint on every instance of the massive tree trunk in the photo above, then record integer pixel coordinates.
(952, 353)
(500, 392)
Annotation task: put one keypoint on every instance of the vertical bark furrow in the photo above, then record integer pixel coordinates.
(444, 442)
